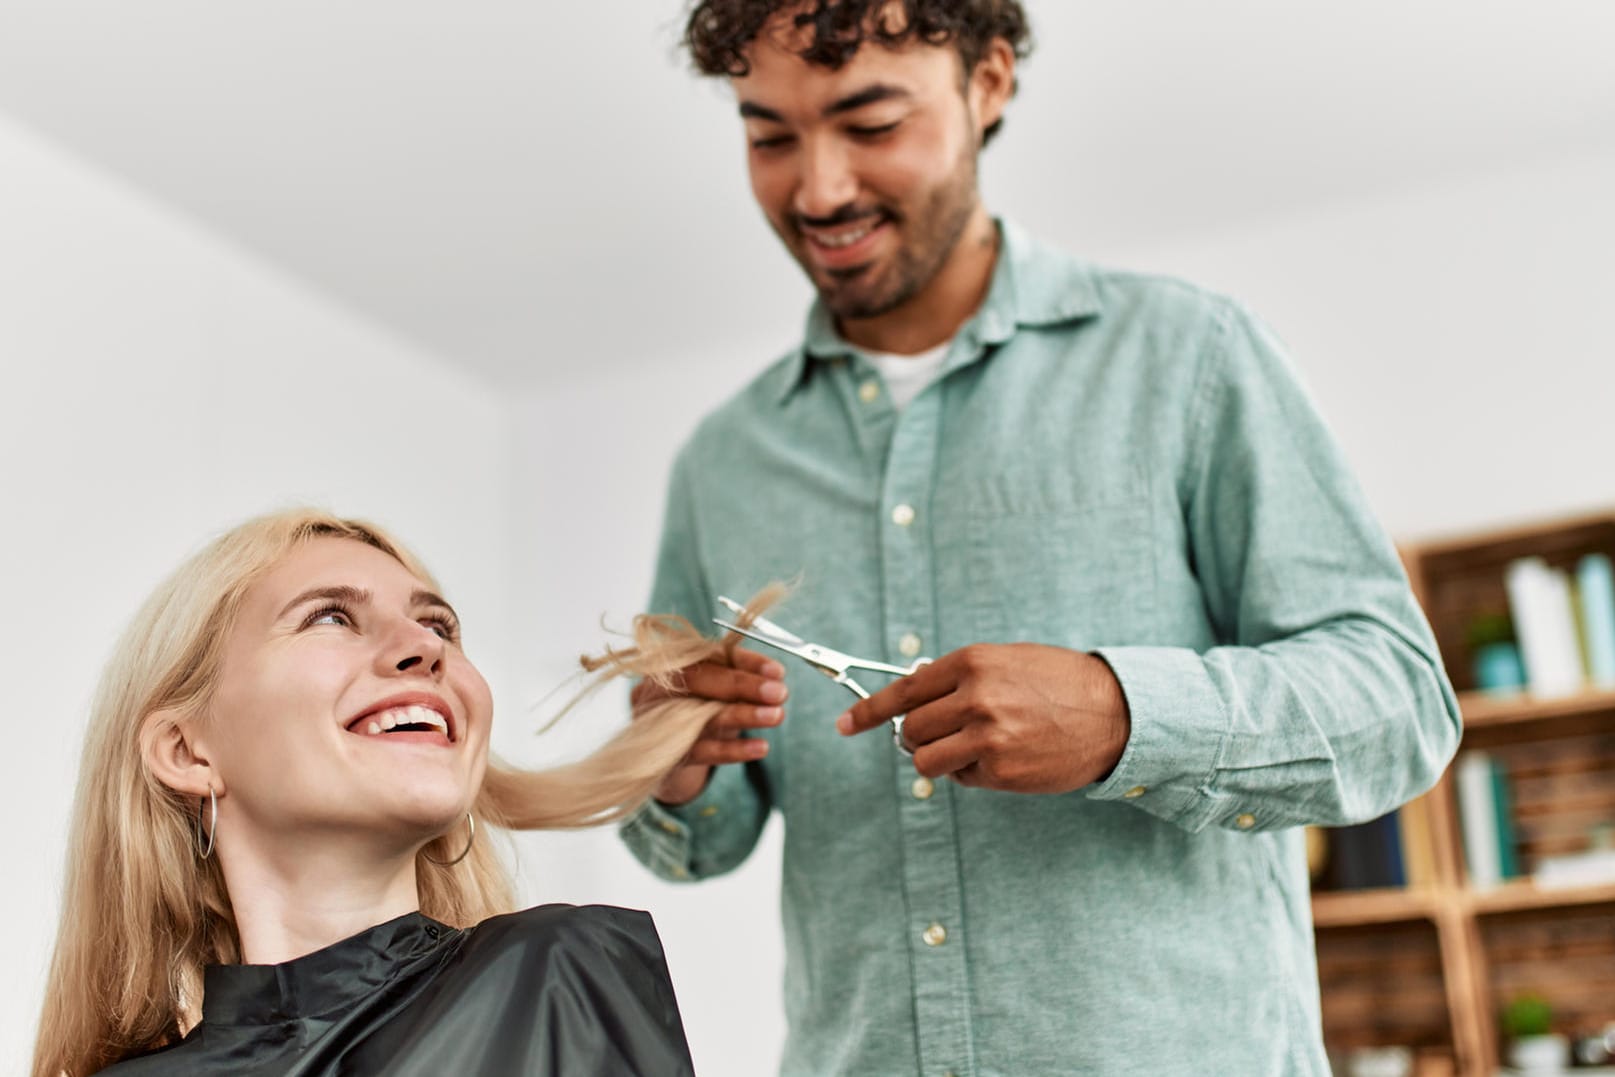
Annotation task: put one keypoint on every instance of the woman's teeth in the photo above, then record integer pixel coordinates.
(411, 716)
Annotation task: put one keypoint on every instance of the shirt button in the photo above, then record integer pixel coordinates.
(869, 391)
(909, 645)
(670, 826)
(922, 788)
(903, 515)
(1135, 792)
(709, 811)
(680, 872)
(935, 935)
(1246, 821)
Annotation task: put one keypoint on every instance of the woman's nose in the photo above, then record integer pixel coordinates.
(413, 647)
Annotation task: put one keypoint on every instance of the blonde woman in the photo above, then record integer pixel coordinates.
(279, 861)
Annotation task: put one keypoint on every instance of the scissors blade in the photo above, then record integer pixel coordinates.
(830, 662)
(790, 645)
(760, 622)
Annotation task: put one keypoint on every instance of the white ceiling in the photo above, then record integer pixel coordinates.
(527, 187)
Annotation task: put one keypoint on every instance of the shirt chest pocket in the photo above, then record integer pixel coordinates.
(1079, 575)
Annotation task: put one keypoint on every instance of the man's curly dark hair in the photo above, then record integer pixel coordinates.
(719, 31)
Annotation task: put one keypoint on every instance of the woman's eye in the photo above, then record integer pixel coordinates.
(445, 628)
(329, 616)
(774, 143)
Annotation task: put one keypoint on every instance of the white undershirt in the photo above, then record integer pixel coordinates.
(907, 375)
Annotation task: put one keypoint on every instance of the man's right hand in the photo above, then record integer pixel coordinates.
(754, 691)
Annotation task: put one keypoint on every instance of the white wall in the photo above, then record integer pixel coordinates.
(1456, 337)
(155, 387)
(593, 456)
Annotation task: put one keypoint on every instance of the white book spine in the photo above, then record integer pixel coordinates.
(1478, 814)
(1539, 601)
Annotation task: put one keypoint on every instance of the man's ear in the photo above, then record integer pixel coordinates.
(173, 756)
(992, 84)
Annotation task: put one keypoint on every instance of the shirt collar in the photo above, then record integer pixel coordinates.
(1033, 285)
(320, 982)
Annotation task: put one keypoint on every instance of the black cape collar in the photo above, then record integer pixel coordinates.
(323, 981)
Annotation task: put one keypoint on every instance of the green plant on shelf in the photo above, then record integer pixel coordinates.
(1488, 628)
(1527, 1015)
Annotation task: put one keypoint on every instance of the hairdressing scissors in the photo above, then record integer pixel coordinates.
(830, 662)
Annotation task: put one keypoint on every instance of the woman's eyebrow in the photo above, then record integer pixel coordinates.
(431, 598)
(340, 593)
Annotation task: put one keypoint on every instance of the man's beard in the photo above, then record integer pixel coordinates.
(934, 231)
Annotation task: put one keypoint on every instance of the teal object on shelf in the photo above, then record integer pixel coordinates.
(1499, 669)
(1596, 582)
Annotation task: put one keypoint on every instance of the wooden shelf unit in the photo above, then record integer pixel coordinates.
(1487, 943)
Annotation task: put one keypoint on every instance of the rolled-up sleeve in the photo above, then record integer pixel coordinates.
(1327, 703)
(716, 831)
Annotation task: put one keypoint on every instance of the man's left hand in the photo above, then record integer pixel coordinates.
(1021, 717)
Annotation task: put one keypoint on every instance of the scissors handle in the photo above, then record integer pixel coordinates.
(897, 720)
(886, 667)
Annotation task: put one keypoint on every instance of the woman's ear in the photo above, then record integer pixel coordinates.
(174, 757)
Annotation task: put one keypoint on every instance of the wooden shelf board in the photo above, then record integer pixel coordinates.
(1482, 710)
(1348, 908)
(1481, 542)
(1523, 895)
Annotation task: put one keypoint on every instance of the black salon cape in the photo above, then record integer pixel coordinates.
(556, 991)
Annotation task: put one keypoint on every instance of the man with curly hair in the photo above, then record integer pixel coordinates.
(1169, 631)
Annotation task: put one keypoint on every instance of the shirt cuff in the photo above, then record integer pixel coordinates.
(658, 839)
(1178, 727)
(703, 837)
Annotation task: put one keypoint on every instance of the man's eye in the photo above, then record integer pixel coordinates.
(875, 131)
(773, 142)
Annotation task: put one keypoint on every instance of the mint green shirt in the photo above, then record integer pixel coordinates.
(1112, 463)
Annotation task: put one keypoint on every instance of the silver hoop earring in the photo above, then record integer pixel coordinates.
(213, 825)
(471, 824)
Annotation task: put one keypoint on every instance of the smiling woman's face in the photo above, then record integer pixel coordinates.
(344, 704)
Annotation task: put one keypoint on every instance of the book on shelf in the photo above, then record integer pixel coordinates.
(1595, 867)
(1415, 829)
(1544, 619)
(1486, 818)
(1564, 622)
(1595, 587)
(1508, 862)
(1367, 856)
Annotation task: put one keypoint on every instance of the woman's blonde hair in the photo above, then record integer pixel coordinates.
(143, 913)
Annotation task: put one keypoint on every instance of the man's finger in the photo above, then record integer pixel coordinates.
(900, 697)
(738, 718)
(712, 752)
(761, 664)
(950, 755)
(970, 776)
(707, 680)
(934, 720)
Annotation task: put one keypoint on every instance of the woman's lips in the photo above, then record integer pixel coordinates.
(411, 723)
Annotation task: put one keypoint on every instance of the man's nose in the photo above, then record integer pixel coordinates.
(827, 182)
